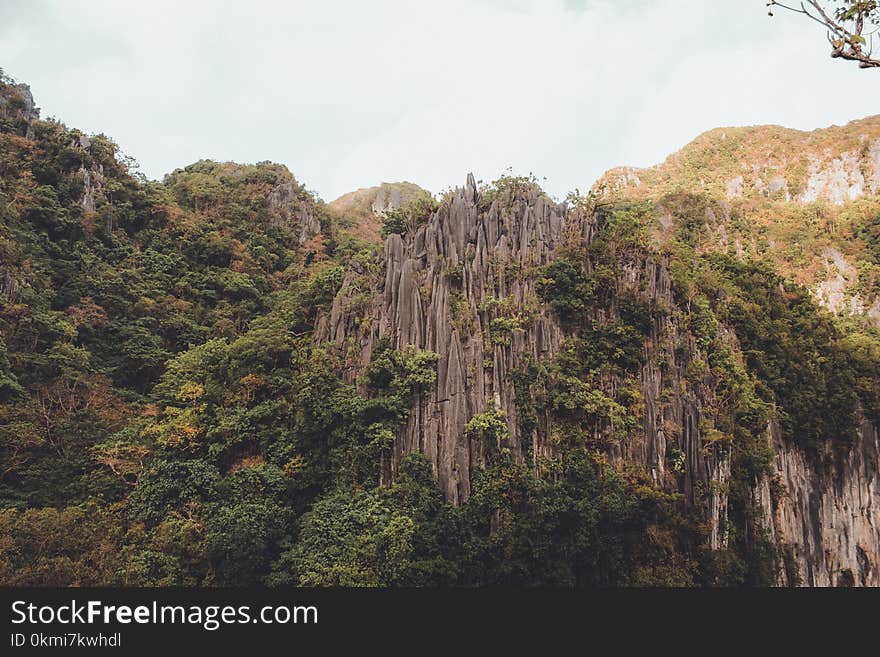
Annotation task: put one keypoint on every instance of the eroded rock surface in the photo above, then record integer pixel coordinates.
(441, 288)
(17, 107)
(839, 179)
(828, 520)
(290, 208)
(438, 291)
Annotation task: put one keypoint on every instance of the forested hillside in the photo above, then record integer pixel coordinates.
(217, 379)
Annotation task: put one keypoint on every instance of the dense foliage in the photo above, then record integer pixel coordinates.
(166, 417)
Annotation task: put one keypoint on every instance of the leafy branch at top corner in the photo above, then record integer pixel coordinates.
(850, 25)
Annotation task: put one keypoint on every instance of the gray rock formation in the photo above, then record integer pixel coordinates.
(874, 157)
(387, 199)
(17, 102)
(839, 180)
(290, 208)
(17, 107)
(10, 286)
(441, 288)
(829, 520)
(93, 181)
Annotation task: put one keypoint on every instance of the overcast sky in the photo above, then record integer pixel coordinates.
(351, 93)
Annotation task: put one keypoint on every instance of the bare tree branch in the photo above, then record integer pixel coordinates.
(845, 25)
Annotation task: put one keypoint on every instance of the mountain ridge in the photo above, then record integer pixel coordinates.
(805, 200)
(723, 147)
(214, 379)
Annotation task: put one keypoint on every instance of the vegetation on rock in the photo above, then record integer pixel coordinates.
(167, 418)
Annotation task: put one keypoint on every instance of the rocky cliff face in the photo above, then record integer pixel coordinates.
(457, 287)
(776, 187)
(437, 291)
(828, 519)
(17, 108)
(837, 165)
(289, 207)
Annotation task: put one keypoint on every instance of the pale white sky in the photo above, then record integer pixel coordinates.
(350, 93)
